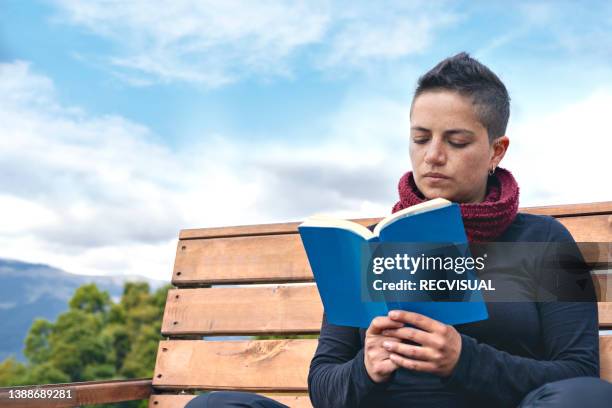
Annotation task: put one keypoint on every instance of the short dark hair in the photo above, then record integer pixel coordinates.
(465, 75)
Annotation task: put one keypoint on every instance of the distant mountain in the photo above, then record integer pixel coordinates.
(29, 291)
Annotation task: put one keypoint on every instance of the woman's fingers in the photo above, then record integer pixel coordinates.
(416, 319)
(414, 365)
(412, 352)
(388, 366)
(376, 359)
(415, 335)
(380, 323)
(436, 352)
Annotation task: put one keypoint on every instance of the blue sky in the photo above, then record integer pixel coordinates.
(61, 43)
(123, 122)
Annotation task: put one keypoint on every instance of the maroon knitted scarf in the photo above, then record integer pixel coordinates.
(483, 221)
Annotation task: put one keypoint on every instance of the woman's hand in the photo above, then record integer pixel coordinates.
(376, 358)
(438, 349)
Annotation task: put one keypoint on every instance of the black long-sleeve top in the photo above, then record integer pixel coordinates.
(521, 346)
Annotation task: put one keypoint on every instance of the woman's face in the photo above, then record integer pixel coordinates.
(446, 137)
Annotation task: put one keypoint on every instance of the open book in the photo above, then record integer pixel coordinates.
(341, 253)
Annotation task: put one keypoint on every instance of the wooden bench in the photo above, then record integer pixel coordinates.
(276, 296)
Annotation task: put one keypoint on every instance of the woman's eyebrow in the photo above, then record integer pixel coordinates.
(466, 132)
(447, 132)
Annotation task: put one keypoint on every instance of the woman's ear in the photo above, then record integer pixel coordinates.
(499, 148)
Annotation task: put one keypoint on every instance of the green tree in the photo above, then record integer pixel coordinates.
(95, 339)
(37, 348)
(12, 372)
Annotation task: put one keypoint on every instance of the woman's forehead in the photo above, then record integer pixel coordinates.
(442, 110)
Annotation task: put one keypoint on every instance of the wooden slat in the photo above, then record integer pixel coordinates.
(258, 365)
(592, 228)
(255, 229)
(281, 258)
(605, 357)
(597, 254)
(603, 286)
(229, 310)
(242, 259)
(82, 393)
(565, 210)
(179, 401)
(605, 314)
(280, 309)
(239, 230)
(264, 365)
(571, 210)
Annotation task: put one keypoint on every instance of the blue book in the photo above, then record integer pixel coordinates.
(341, 255)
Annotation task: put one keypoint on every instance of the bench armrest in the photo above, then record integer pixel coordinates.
(75, 394)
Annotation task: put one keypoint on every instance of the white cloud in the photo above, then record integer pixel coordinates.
(214, 43)
(89, 194)
(582, 32)
(553, 32)
(564, 156)
(370, 32)
(99, 194)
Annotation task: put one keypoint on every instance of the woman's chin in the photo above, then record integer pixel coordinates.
(430, 194)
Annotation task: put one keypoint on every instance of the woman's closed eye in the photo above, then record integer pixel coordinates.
(423, 140)
(457, 144)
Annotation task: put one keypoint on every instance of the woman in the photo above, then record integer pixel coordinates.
(527, 354)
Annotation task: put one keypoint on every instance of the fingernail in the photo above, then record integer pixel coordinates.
(393, 315)
(387, 344)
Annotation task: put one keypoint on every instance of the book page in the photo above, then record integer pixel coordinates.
(412, 210)
(325, 221)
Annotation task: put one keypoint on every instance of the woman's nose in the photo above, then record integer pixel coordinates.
(435, 154)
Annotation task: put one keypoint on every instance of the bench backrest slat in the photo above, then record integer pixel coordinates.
(280, 257)
(265, 365)
(239, 311)
(256, 310)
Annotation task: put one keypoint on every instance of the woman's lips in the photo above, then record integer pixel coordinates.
(438, 176)
(434, 178)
